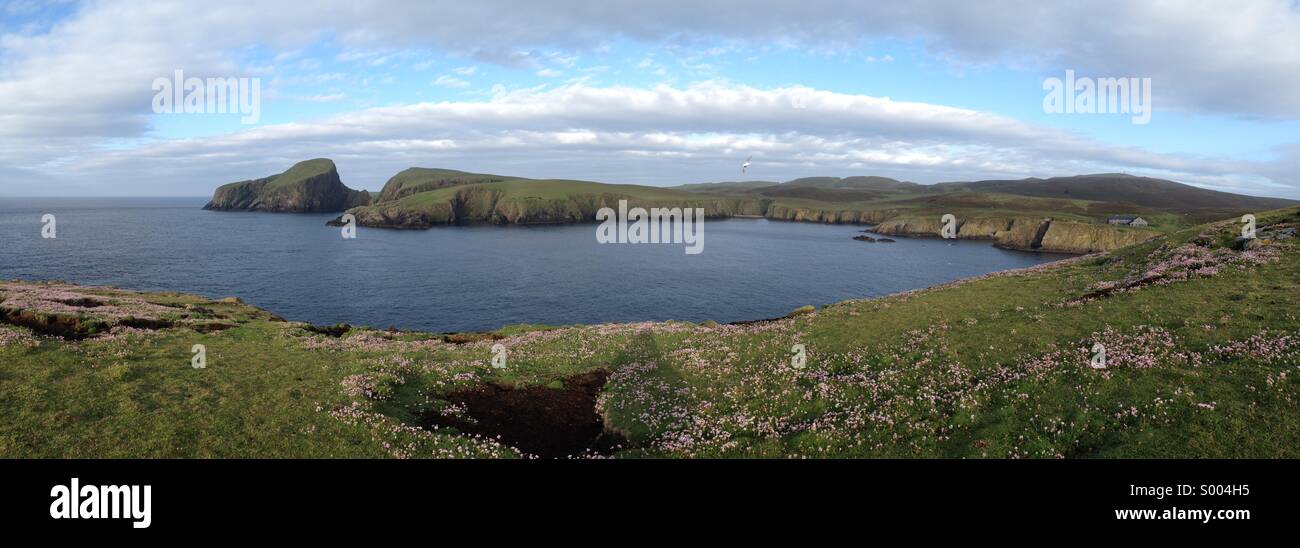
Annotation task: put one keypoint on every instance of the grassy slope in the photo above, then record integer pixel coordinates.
(421, 197)
(990, 367)
(423, 179)
(1144, 192)
(1090, 198)
(553, 189)
(301, 171)
(902, 202)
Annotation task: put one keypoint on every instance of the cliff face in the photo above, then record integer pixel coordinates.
(787, 213)
(984, 228)
(1087, 238)
(312, 186)
(484, 204)
(1023, 233)
(911, 226)
(421, 198)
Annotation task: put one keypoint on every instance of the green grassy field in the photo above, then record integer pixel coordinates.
(1201, 342)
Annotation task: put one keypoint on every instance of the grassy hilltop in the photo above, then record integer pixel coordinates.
(1200, 331)
(423, 198)
(1064, 214)
(311, 186)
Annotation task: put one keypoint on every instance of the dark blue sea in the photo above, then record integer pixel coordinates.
(473, 277)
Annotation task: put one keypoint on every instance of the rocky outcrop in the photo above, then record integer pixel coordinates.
(1024, 233)
(844, 216)
(476, 203)
(984, 228)
(312, 186)
(911, 226)
(1066, 237)
(485, 204)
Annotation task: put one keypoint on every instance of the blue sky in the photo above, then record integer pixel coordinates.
(661, 94)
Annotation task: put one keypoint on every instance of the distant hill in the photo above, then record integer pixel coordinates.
(1117, 187)
(825, 189)
(853, 183)
(728, 187)
(1065, 214)
(1091, 196)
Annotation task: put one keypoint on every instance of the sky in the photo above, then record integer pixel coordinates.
(658, 93)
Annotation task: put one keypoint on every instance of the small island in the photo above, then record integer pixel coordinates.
(311, 186)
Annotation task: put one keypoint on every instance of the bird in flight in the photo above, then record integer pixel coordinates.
(745, 166)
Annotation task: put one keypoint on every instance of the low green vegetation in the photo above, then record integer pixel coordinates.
(1200, 332)
(300, 172)
(424, 198)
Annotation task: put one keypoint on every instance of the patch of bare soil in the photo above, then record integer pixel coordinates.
(83, 302)
(542, 421)
(337, 330)
(469, 337)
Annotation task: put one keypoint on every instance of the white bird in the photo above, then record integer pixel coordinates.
(745, 165)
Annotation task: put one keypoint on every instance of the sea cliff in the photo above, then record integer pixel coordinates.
(1024, 233)
(312, 186)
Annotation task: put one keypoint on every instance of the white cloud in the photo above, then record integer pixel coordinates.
(669, 135)
(326, 98)
(450, 81)
(549, 73)
(68, 89)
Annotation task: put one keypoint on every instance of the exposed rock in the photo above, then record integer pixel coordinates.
(312, 186)
(983, 228)
(865, 238)
(1024, 233)
(1241, 244)
(845, 216)
(911, 226)
(1065, 237)
(486, 204)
